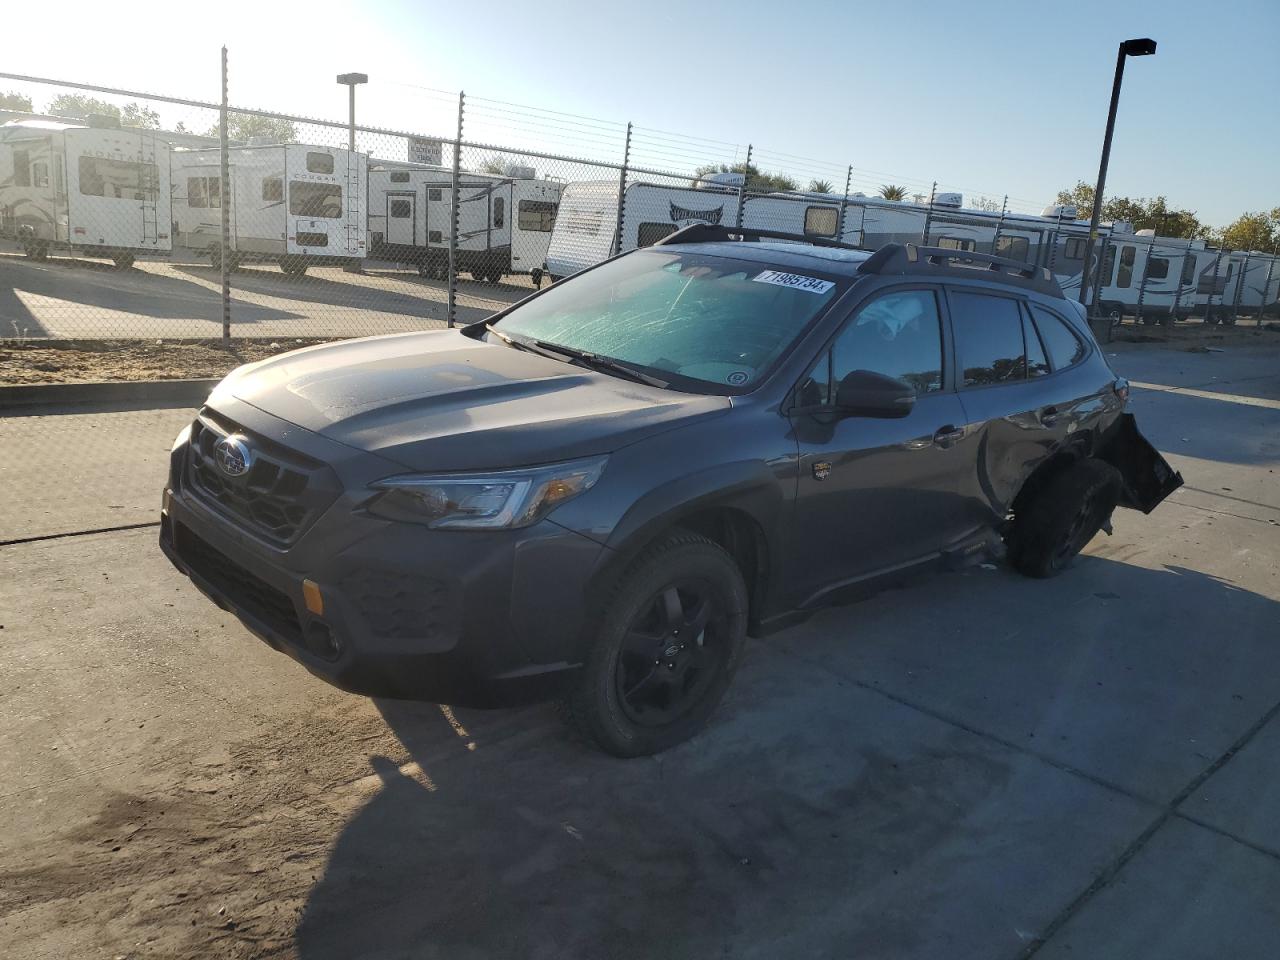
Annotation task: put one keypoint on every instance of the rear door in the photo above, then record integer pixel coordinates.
(401, 218)
(874, 494)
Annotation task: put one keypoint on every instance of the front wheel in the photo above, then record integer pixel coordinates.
(123, 261)
(668, 641)
(1060, 518)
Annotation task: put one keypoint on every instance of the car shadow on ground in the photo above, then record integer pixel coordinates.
(816, 815)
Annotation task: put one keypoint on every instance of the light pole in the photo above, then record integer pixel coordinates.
(351, 81)
(1141, 47)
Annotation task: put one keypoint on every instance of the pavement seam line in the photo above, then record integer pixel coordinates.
(1170, 812)
(78, 533)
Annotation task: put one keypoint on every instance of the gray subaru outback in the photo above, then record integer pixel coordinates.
(598, 493)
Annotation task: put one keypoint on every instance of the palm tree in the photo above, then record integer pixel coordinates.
(891, 191)
(820, 186)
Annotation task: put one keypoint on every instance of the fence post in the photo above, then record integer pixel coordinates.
(1142, 285)
(1244, 272)
(622, 192)
(1213, 289)
(1177, 288)
(224, 198)
(995, 241)
(742, 187)
(1266, 287)
(453, 213)
(844, 204)
(1053, 243)
(928, 217)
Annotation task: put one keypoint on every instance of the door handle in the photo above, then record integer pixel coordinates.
(945, 436)
(1049, 416)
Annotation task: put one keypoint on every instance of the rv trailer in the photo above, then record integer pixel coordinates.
(504, 222)
(294, 204)
(587, 224)
(98, 190)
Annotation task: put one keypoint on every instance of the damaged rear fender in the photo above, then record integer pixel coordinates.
(1147, 476)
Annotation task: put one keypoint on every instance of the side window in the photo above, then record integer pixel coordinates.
(196, 194)
(988, 334)
(39, 174)
(1157, 268)
(319, 163)
(1013, 248)
(650, 233)
(1037, 362)
(499, 211)
(400, 176)
(213, 186)
(1188, 269)
(955, 243)
(434, 194)
(1063, 346)
(1073, 248)
(1124, 277)
(21, 168)
(821, 221)
(898, 335)
(400, 209)
(273, 189)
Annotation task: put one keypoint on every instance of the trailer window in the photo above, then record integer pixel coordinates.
(955, 243)
(117, 179)
(273, 189)
(537, 215)
(1157, 268)
(1125, 276)
(1073, 249)
(650, 233)
(821, 221)
(1188, 269)
(400, 176)
(499, 211)
(1013, 248)
(319, 163)
(400, 209)
(435, 194)
(40, 174)
(315, 199)
(21, 168)
(204, 192)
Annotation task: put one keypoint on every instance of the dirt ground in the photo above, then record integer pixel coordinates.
(81, 361)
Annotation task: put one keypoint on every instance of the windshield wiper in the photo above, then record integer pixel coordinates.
(559, 351)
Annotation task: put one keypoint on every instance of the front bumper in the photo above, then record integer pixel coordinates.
(476, 618)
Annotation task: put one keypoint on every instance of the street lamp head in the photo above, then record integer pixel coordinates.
(1142, 47)
(351, 79)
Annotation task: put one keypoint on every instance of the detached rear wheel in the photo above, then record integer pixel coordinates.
(1062, 517)
(668, 642)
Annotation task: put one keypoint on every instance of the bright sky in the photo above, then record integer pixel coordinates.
(987, 98)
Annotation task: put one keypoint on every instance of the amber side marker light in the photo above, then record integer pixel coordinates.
(311, 594)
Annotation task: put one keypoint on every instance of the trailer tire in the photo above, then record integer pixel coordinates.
(536, 276)
(494, 276)
(1211, 319)
(38, 251)
(293, 266)
(123, 261)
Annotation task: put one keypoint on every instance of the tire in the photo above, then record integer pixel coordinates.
(1211, 319)
(630, 707)
(536, 276)
(293, 266)
(124, 261)
(494, 276)
(38, 251)
(1061, 517)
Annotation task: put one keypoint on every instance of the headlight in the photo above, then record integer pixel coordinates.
(484, 501)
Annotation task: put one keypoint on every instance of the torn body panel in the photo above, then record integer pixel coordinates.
(1148, 477)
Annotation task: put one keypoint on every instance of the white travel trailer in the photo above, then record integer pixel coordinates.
(586, 227)
(504, 222)
(294, 204)
(96, 190)
(813, 215)
(1156, 278)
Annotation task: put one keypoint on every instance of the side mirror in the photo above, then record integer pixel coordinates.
(863, 393)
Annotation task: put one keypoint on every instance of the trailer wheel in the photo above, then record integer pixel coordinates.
(123, 261)
(38, 250)
(494, 276)
(293, 266)
(536, 276)
(1169, 319)
(1211, 319)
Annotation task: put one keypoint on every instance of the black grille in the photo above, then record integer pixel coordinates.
(241, 588)
(279, 497)
(396, 604)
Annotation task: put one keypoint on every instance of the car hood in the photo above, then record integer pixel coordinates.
(442, 401)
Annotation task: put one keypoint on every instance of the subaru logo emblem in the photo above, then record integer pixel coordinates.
(233, 456)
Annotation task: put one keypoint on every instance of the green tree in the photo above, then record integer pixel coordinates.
(985, 203)
(890, 191)
(756, 181)
(820, 186)
(80, 106)
(15, 101)
(1143, 213)
(242, 126)
(139, 115)
(1253, 231)
(494, 166)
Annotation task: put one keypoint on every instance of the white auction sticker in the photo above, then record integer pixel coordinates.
(795, 281)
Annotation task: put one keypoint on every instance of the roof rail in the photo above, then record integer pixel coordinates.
(909, 259)
(714, 232)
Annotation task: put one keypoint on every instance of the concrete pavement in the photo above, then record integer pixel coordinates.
(978, 765)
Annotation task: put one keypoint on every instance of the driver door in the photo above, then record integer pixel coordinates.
(877, 493)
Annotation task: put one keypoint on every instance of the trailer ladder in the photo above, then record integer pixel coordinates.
(354, 206)
(150, 189)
